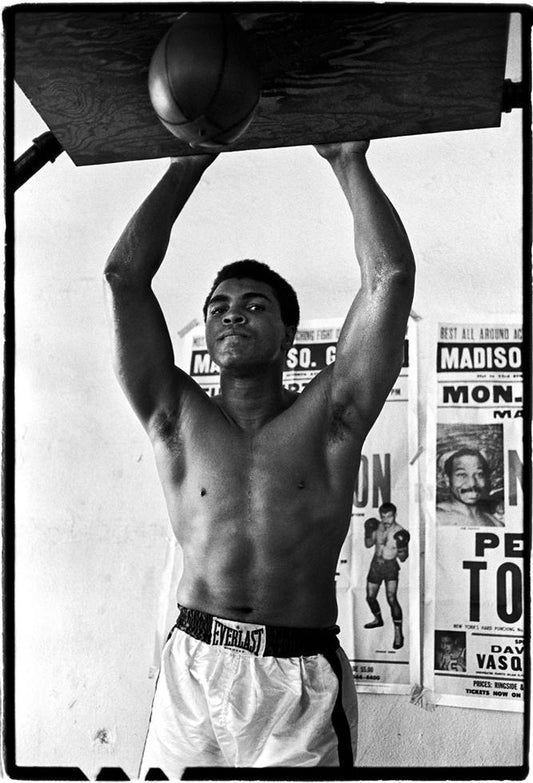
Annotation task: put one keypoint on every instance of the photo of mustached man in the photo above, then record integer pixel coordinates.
(391, 544)
(469, 476)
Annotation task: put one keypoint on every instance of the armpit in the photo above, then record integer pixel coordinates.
(163, 426)
(339, 423)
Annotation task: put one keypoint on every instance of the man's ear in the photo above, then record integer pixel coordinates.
(290, 334)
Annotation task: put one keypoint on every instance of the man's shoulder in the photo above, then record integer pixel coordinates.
(318, 406)
(447, 507)
(487, 520)
(188, 405)
(447, 515)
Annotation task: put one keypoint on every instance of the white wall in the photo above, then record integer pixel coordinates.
(93, 545)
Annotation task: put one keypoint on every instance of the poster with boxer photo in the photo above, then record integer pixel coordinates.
(378, 606)
(474, 624)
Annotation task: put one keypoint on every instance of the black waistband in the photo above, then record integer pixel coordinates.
(263, 640)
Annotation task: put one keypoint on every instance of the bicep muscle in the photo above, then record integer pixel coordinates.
(142, 350)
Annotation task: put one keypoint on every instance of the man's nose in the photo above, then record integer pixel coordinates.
(234, 316)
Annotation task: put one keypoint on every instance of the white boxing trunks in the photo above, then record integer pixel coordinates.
(233, 694)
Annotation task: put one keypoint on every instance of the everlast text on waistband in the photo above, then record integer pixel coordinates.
(238, 638)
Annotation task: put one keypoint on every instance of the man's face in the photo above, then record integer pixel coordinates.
(387, 517)
(446, 644)
(468, 483)
(243, 327)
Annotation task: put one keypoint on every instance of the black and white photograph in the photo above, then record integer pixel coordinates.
(470, 475)
(266, 343)
(450, 650)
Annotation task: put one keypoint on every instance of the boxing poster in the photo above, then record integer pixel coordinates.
(378, 582)
(474, 585)
(383, 646)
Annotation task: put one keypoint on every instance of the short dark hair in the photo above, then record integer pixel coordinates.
(466, 452)
(386, 507)
(257, 270)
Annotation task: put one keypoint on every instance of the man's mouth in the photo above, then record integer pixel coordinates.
(233, 334)
(474, 492)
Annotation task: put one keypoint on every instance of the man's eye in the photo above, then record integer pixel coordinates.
(216, 310)
(255, 307)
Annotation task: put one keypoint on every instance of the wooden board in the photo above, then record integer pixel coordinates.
(355, 71)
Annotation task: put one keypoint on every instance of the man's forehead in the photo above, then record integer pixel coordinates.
(467, 461)
(243, 285)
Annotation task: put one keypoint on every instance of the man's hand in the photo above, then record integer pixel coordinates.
(402, 539)
(202, 159)
(371, 525)
(332, 151)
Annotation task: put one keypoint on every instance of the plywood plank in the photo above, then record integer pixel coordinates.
(358, 71)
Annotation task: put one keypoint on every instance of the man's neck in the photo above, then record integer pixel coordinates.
(251, 402)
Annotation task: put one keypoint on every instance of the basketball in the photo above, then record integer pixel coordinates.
(203, 82)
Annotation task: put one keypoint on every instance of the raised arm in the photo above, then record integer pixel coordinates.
(371, 525)
(142, 349)
(370, 347)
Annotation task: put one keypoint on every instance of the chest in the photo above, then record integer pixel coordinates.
(273, 458)
(211, 456)
(289, 462)
(277, 486)
(385, 536)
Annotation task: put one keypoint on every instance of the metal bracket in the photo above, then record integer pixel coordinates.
(45, 148)
(513, 95)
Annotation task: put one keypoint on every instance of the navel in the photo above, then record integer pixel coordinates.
(301, 484)
(203, 491)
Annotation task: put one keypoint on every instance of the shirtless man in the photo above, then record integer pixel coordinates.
(468, 480)
(391, 542)
(259, 484)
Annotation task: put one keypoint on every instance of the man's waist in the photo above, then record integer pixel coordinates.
(256, 639)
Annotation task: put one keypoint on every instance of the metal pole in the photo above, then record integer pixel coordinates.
(45, 148)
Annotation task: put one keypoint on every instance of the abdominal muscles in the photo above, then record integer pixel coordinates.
(260, 535)
(278, 569)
